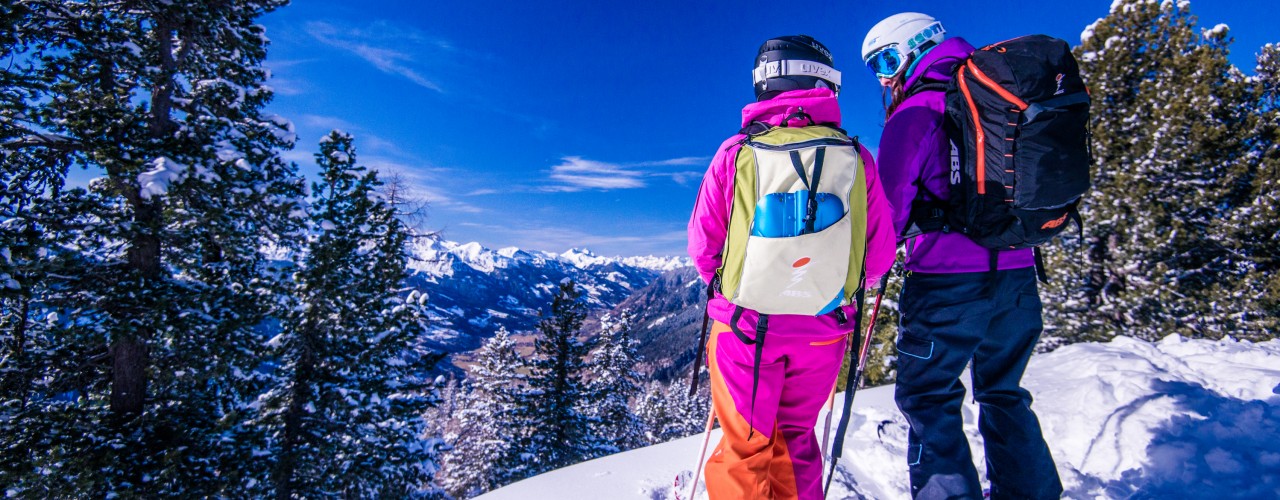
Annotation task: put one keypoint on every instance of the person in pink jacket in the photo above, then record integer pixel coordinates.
(769, 448)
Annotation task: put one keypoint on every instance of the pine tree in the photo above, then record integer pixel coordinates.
(1169, 152)
(484, 454)
(614, 385)
(556, 433)
(158, 255)
(669, 412)
(1253, 301)
(653, 410)
(688, 412)
(348, 417)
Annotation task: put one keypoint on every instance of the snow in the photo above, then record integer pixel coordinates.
(164, 172)
(1087, 34)
(435, 257)
(1125, 419)
(583, 258)
(1217, 31)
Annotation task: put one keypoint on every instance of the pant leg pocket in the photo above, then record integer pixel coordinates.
(1029, 301)
(917, 348)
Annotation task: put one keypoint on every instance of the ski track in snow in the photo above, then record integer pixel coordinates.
(1125, 419)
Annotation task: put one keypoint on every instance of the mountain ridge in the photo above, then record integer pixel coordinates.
(473, 291)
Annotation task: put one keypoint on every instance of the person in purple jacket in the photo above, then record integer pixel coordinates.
(955, 309)
(769, 449)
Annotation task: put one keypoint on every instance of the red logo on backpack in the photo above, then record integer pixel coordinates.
(1056, 222)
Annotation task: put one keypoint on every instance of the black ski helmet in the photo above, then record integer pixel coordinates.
(793, 62)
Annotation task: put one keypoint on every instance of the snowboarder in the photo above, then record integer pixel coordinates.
(960, 302)
(767, 394)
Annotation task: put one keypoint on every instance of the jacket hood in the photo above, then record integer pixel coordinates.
(939, 64)
(821, 104)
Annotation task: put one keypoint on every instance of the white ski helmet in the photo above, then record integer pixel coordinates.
(892, 44)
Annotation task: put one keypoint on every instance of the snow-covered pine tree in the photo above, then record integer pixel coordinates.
(1253, 303)
(668, 412)
(556, 434)
(484, 454)
(653, 410)
(158, 255)
(613, 386)
(442, 418)
(688, 413)
(1168, 140)
(348, 414)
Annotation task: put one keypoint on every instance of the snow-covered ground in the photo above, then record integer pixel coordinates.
(1125, 419)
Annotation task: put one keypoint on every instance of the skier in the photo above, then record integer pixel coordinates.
(955, 308)
(768, 399)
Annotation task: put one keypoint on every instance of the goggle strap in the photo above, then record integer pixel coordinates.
(789, 67)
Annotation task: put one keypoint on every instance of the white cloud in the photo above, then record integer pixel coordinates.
(326, 122)
(688, 160)
(575, 173)
(365, 44)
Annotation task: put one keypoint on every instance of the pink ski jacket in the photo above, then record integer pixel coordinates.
(709, 224)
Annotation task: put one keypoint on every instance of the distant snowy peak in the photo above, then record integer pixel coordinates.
(436, 256)
(582, 258)
(657, 263)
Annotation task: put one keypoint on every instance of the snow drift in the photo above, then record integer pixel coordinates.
(1126, 419)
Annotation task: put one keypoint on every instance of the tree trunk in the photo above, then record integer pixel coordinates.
(129, 357)
(17, 382)
(286, 468)
(128, 378)
(129, 352)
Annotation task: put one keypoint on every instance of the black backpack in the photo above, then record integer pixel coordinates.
(1017, 118)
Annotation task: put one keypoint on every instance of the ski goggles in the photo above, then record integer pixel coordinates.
(887, 62)
(890, 59)
(790, 67)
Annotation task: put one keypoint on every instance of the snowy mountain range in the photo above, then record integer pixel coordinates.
(1177, 418)
(474, 290)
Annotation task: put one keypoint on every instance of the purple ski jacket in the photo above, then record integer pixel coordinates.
(913, 147)
(709, 225)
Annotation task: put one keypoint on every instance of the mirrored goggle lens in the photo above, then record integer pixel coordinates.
(886, 62)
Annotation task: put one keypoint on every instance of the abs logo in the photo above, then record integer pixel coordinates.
(955, 164)
(799, 269)
(1055, 222)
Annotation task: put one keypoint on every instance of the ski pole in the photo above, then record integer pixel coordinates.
(706, 438)
(826, 426)
(851, 384)
(871, 328)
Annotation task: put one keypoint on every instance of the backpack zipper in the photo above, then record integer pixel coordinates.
(822, 141)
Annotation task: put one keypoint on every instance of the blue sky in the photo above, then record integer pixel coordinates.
(557, 124)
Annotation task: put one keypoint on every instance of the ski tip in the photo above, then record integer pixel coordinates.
(680, 484)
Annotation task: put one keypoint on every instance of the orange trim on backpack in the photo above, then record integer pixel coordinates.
(986, 81)
(982, 136)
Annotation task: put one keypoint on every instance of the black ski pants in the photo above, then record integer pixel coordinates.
(993, 320)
